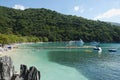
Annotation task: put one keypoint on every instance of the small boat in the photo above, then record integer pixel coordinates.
(94, 43)
(96, 48)
(76, 43)
(79, 43)
(99, 49)
(112, 50)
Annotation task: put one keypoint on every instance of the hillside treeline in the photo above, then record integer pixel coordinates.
(48, 25)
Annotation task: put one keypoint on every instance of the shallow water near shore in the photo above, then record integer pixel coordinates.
(69, 63)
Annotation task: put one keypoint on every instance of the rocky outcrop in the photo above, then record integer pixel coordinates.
(7, 71)
(23, 71)
(6, 68)
(31, 74)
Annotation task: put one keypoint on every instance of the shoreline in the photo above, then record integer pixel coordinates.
(11, 47)
(4, 51)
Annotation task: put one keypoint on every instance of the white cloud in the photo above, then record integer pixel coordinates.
(76, 8)
(108, 14)
(17, 6)
(79, 8)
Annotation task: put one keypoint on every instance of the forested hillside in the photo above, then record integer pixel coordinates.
(53, 26)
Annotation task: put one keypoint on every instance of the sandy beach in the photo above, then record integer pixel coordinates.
(6, 51)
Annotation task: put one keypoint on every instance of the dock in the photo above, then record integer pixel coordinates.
(61, 47)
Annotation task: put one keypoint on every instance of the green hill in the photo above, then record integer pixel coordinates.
(54, 26)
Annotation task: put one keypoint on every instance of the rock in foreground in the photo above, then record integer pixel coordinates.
(7, 71)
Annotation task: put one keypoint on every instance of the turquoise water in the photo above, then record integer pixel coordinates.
(69, 64)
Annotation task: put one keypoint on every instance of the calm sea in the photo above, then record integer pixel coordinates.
(69, 63)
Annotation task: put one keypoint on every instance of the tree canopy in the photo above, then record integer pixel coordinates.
(50, 25)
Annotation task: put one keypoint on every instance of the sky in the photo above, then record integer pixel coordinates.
(103, 10)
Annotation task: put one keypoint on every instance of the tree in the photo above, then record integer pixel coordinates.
(4, 39)
(45, 39)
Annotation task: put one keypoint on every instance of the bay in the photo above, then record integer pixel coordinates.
(69, 63)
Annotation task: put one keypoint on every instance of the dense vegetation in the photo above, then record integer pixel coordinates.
(49, 25)
(10, 38)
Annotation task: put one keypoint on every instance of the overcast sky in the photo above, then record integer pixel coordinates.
(104, 10)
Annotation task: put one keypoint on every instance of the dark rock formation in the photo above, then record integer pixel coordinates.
(6, 68)
(31, 74)
(7, 71)
(23, 71)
